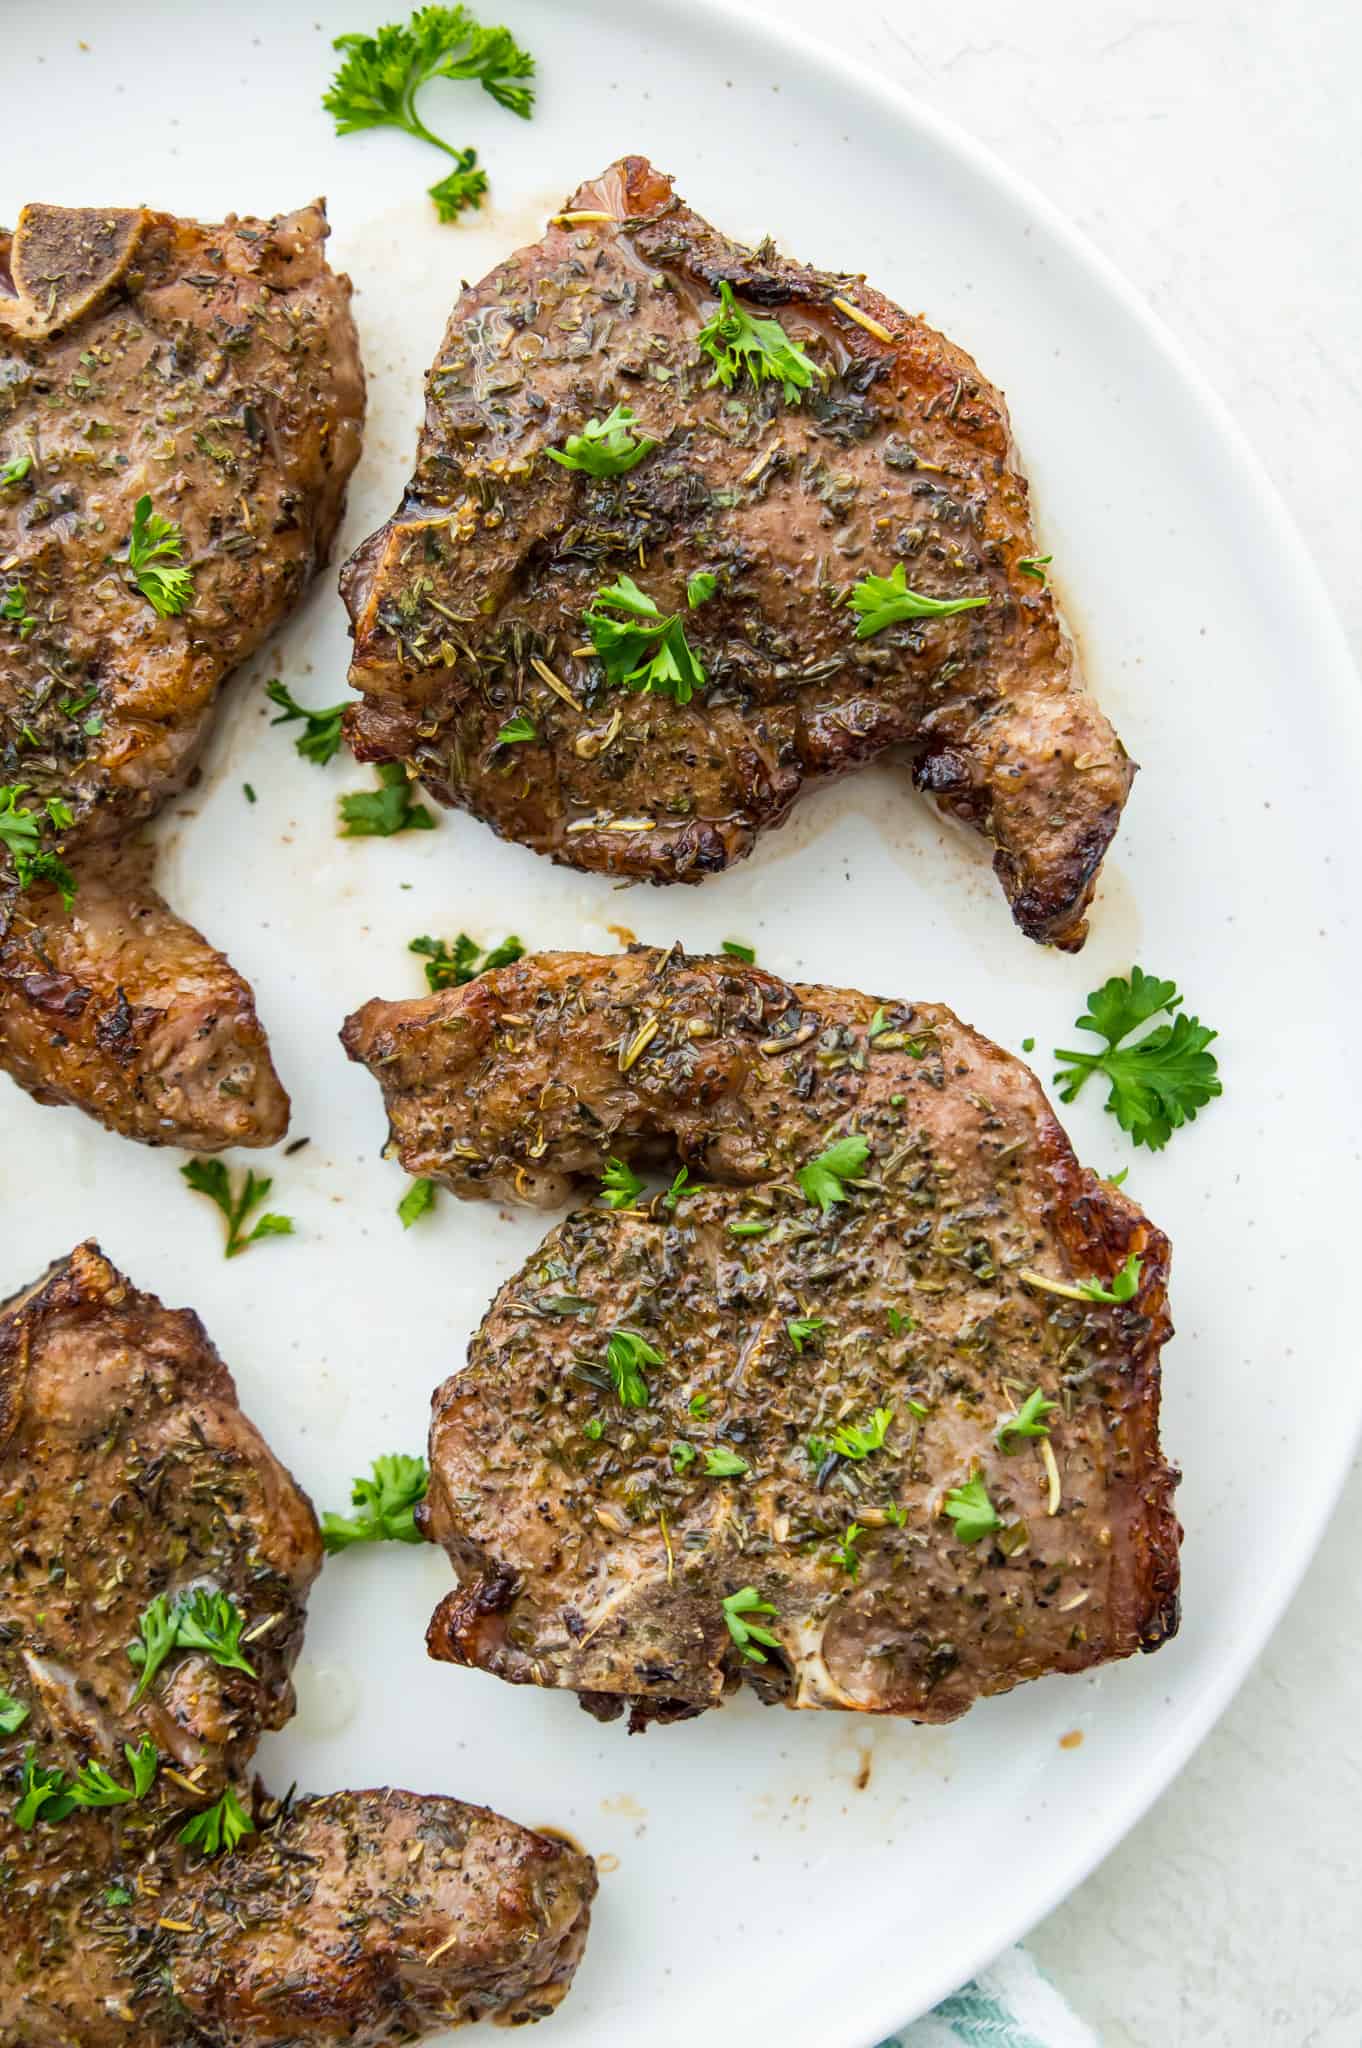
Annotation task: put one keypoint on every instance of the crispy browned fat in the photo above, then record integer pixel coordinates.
(128, 1476)
(213, 369)
(780, 1384)
(467, 607)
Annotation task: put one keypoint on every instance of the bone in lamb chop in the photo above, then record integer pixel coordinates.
(838, 1414)
(822, 439)
(139, 1507)
(214, 372)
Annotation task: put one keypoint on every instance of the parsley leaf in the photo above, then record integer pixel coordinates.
(14, 609)
(153, 544)
(625, 1356)
(607, 447)
(15, 470)
(1124, 1285)
(1028, 1420)
(378, 813)
(156, 1627)
(95, 1785)
(700, 588)
(380, 76)
(747, 1634)
(321, 737)
(210, 1177)
(850, 1441)
(453, 966)
(699, 1406)
(419, 1197)
(387, 1505)
(679, 1189)
(738, 949)
(20, 828)
(823, 1178)
(652, 653)
(13, 1713)
(846, 1553)
(43, 1793)
(517, 730)
(220, 1826)
(802, 1330)
(883, 600)
(971, 1510)
(682, 1455)
(1035, 566)
(620, 1188)
(1159, 1082)
(724, 1464)
(737, 340)
(212, 1623)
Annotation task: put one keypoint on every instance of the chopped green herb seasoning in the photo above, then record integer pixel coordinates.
(453, 966)
(884, 600)
(747, 1634)
(738, 341)
(620, 1188)
(210, 1177)
(647, 649)
(379, 813)
(625, 1356)
(320, 738)
(607, 447)
(1028, 1420)
(824, 1178)
(517, 731)
(220, 1826)
(419, 1198)
(738, 949)
(971, 1510)
(153, 546)
(387, 1506)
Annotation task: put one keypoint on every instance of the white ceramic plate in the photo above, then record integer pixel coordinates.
(807, 1879)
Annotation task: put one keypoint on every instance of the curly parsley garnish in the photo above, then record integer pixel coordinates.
(647, 649)
(387, 1505)
(1124, 1285)
(883, 600)
(1161, 1080)
(739, 341)
(320, 738)
(747, 1634)
(620, 1187)
(418, 1200)
(824, 1178)
(453, 966)
(607, 447)
(153, 546)
(1028, 1420)
(379, 813)
(971, 1510)
(220, 1826)
(625, 1356)
(377, 84)
(210, 1177)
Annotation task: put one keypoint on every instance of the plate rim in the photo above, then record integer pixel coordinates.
(1330, 664)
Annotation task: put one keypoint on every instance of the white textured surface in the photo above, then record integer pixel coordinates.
(1213, 151)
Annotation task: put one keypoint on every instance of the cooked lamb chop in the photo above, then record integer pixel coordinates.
(214, 371)
(131, 1483)
(882, 447)
(779, 1401)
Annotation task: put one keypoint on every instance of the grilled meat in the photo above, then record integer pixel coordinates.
(128, 1474)
(775, 1387)
(215, 371)
(467, 607)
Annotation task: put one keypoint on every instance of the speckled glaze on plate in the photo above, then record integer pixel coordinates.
(813, 1877)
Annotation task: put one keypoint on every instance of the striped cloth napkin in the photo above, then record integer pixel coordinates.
(1008, 2005)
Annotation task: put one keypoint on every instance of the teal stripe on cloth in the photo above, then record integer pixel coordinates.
(1011, 2004)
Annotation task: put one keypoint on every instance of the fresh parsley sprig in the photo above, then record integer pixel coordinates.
(1124, 1285)
(210, 1177)
(738, 341)
(971, 1510)
(607, 447)
(882, 601)
(620, 1186)
(387, 1504)
(625, 1356)
(747, 1634)
(155, 546)
(220, 1826)
(645, 650)
(320, 738)
(95, 1785)
(453, 966)
(20, 835)
(380, 76)
(379, 813)
(1157, 1082)
(1027, 1421)
(824, 1178)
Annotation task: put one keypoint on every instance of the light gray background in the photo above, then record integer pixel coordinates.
(1214, 152)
